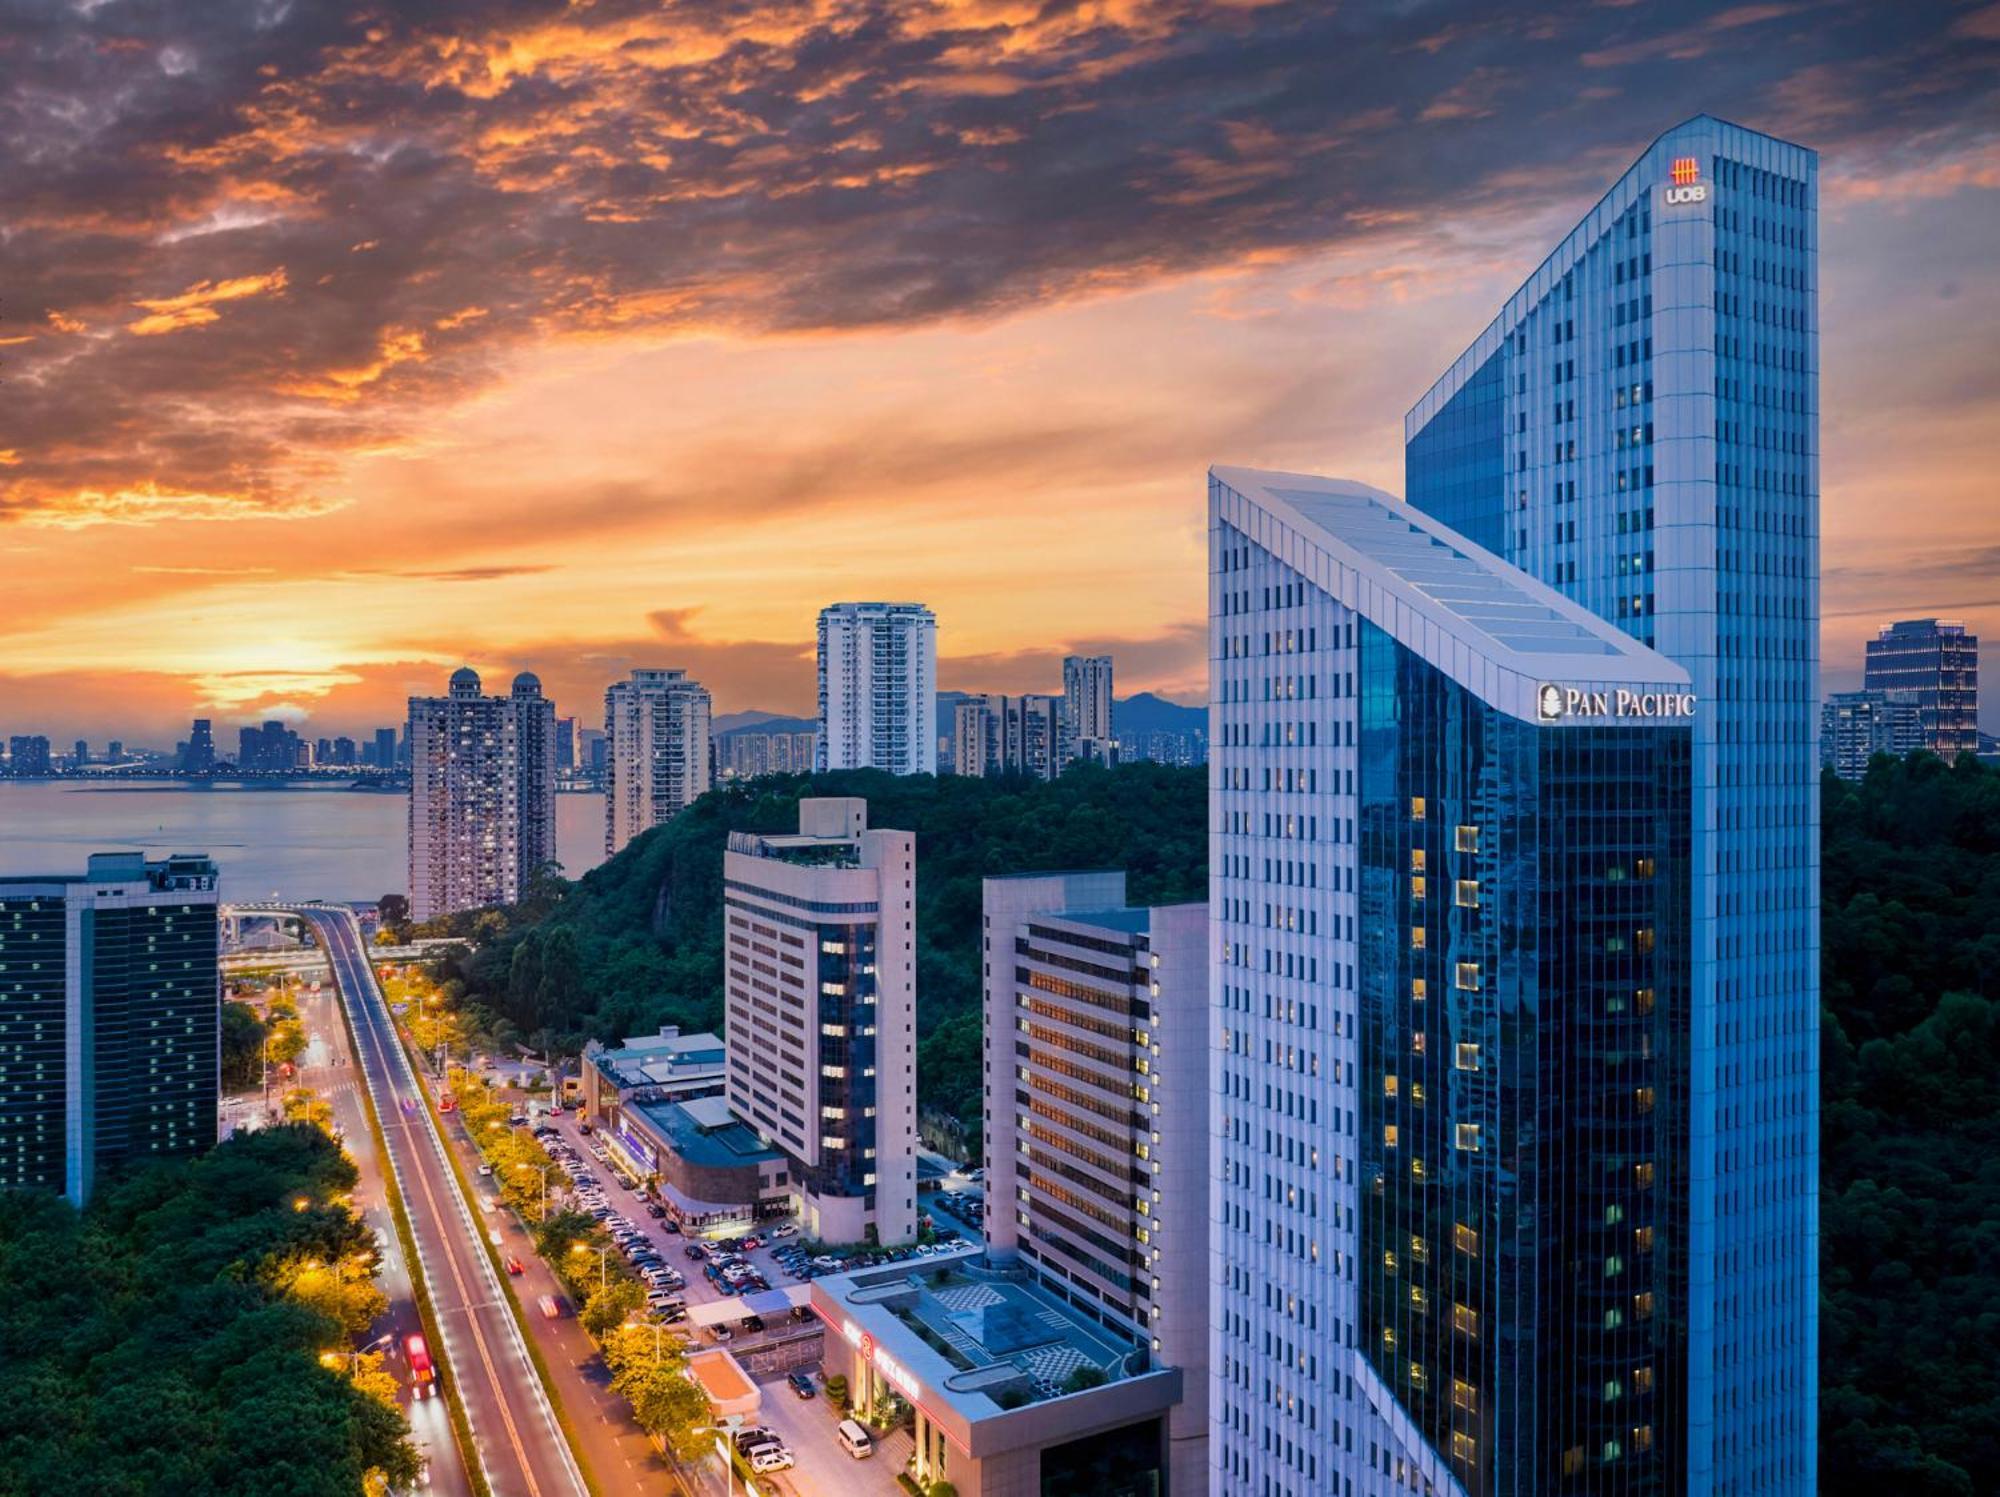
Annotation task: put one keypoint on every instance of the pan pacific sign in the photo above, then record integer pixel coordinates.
(1554, 703)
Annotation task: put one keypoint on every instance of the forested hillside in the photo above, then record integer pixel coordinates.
(1910, 1138)
(638, 942)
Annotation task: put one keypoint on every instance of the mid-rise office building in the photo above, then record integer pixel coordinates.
(878, 688)
(110, 1019)
(482, 795)
(657, 760)
(1087, 704)
(1449, 863)
(1002, 735)
(1855, 726)
(1932, 664)
(1096, 1075)
(819, 987)
(1639, 428)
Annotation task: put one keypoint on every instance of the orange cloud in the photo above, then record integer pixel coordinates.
(196, 305)
(151, 504)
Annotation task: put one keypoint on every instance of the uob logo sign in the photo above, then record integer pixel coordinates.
(1687, 184)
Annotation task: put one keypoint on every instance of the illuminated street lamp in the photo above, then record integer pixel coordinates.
(603, 1262)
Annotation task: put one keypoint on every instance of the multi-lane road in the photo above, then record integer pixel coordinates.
(516, 1439)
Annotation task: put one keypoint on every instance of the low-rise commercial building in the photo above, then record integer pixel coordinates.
(664, 1067)
(1013, 1392)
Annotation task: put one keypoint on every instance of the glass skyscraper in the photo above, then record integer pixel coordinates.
(1450, 920)
(1639, 428)
(1933, 666)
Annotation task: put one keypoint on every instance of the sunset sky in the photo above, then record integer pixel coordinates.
(335, 352)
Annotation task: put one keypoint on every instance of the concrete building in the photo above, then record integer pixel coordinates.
(1087, 704)
(1096, 1075)
(750, 753)
(385, 749)
(1449, 869)
(657, 759)
(878, 688)
(482, 795)
(1015, 1392)
(1855, 726)
(28, 756)
(1639, 428)
(665, 1067)
(1932, 664)
(110, 1019)
(200, 756)
(819, 979)
(1002, 735)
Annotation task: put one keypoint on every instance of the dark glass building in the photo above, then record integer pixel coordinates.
(110, 1019)
(1933, 665)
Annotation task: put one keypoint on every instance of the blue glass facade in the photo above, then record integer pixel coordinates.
(1523, 1043)
(1657, 441)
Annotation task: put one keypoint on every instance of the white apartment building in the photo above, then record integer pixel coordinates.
(878, 688)
(1096, 1081)
(482, 794)
(819, 978)
(658, 757)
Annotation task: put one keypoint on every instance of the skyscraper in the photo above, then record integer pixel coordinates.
(1934, 665)
(1449, 869)
(28, 754)
(201, 748)
(656, 728)
(878, 688)
(1639, 428)
(1855, 726)
(1087, 705)
(385, 748)
(482, 795)
(111, 1049)
(565, 745)
(819, 991)
(1096, 1071)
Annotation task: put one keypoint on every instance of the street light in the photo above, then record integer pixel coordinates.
(543, 1171)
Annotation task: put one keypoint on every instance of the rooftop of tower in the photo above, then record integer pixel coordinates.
(1486, 624)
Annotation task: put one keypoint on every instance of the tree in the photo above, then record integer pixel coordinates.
(1084, 1378)
(242, 1045)
(608, 1306)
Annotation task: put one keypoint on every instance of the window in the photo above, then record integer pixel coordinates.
(1613, 1266)
(1463, 1446)
(1419, 1378)
(1467, 977)
(1419, 990)
(1612, 1450)
(1466, 894)
(1417, 887)
(1416, 808)
(1420, 1045)
(1467, 1138)
(1465, 1239)
(1572, 1461)
(1420, 1302)
(1465, 1320)
(1420, 1251)
(1643, 1000)
(1642, 1305)
(1389, 1086)
(1389, 1135)
(1416, 860)
(1642, 942)
(1642, 1437)
(1642, 1175)
(1466, 838)
(1613, 1390)
(1464, 1395)
(1643, 1097)
(1466, 1058)
(1642, 1379)
(1642, 1239)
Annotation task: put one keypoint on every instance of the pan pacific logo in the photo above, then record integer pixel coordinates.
(1549, 702)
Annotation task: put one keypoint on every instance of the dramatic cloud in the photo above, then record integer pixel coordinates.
(285, 265)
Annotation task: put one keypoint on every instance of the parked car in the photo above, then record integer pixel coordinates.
(753, 1322)
(770, 1458)
(802, 1384)
(655, 1210)
(787, 1230)
(720, 1334)
(695, 1252)
(755, 1438)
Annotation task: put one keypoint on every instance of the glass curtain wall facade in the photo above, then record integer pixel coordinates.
(1932, 665)
(1639, 428)
(1523, 1046)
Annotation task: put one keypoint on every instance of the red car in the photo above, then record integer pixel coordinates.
(514, 1267)
(423, 1375)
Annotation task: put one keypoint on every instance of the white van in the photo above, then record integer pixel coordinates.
(856, 1439)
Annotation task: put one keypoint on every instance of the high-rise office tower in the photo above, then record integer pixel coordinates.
(28, 754)
(482, 795)
(80, 755)
(1096, 1062)
(1449, 864)
(1934, 664)
(999, 735)
(656, 728)
(1087, 705)
(110, 1046)
(565, 745)
(1639, 428)
(385, 748)
(819, 990)
(201, 747)
(1855, 726)
(878, 688)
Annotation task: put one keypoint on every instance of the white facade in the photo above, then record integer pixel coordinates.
(482, 795)
(1096, 1075)
(657, 752)
(878, 688)
(819, 978)
(1296, 564)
